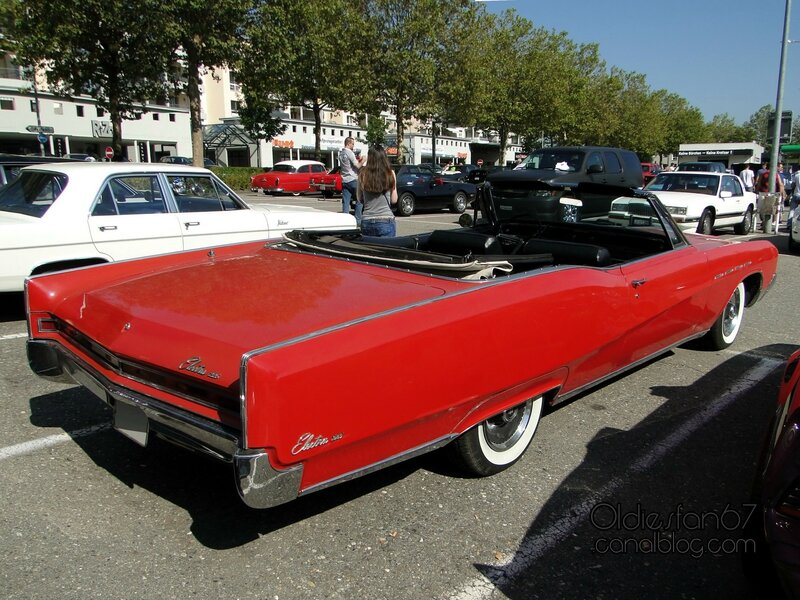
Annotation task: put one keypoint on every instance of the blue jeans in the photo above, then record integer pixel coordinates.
(378, 228)
(349, 189)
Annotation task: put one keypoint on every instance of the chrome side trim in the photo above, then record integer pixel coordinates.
(382, 464)
(262, 486)
(561, 398)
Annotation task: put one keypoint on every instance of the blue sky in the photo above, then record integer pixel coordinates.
(723, 56)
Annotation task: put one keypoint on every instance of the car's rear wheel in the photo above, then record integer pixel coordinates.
(725, 329)
(405, 204)
(459, 203)
(498, 442)
(746, 226)
(706, 224)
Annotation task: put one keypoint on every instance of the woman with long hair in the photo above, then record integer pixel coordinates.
(377, 190)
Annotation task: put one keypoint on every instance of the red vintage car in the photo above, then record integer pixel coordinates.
(328, 184)
(308, 362)
(288, 177)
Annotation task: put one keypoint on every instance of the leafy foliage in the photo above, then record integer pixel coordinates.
(447, 61)
(106, 48)
(201, 35)
(298, 55)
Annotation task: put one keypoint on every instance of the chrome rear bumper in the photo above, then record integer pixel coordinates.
(258, 483)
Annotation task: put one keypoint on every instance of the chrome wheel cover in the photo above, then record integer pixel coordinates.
(504, 430)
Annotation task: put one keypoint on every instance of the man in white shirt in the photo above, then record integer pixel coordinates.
(350, 165)
(748, 177)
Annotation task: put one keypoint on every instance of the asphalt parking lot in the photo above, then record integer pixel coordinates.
(88, 514)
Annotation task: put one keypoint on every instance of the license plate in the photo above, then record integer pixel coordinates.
(131, 421)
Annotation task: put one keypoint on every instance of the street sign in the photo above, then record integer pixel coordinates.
(109, 152)
(479, 162)
(42, 138)
(785, 134)
(40, 129)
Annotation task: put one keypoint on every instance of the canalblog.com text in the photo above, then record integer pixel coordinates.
(679, 531)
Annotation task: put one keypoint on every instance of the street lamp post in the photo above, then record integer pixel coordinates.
(776, 135)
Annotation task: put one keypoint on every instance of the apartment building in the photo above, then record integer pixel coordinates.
(226, 141)
(78, 125)
(30, 111)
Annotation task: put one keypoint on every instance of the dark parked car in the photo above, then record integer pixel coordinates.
(584, 164)
(711, 167)
(185, 160)
(459, 172)
(418, 187)
(10, 164)
(775, 525)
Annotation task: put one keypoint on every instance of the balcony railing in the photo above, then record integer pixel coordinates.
(13, 73)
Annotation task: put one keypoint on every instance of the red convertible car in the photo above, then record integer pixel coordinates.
(288, 365)
(288, 177)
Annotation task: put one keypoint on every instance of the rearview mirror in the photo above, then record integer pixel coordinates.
(465, 220)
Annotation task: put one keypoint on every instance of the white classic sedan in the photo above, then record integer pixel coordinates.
(703, 201)
(67, 215)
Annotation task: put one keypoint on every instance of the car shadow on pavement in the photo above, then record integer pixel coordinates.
(12, 306)
(658, 510)
(204, 487)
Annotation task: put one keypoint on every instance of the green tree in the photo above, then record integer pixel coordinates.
(376, 130)
(755, 128)
(108, 49)
(684, 124)
(304, 53)
(256, 115)
(492, 63)
(405, 42)
(202, 35)
(723, 129)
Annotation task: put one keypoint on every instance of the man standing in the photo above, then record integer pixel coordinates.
(349, 169)
(748, 177)
(769, 205)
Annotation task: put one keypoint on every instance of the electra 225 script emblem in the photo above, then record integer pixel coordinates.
(309, 441)
(195, 365)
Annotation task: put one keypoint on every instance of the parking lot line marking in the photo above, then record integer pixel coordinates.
(50, 440)
(533, 547)
(12, 336)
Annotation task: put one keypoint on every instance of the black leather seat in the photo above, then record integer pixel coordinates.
(569, 253)
(462, 242)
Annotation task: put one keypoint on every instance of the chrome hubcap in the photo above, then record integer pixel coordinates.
(504, 430)
(731, 319)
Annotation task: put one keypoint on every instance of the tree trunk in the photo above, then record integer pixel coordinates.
(317, 130)
(401, 150)
(503, 135)
(193, 91)
(116, 131)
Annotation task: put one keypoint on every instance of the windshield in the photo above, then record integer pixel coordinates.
(684, 182)
(562, 160)
(32, 193)
(521, 204)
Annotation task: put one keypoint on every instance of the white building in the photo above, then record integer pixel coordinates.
(78, 125)
(730, 154)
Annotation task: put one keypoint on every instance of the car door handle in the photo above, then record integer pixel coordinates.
(637, 283)
(191, 224)
(108, 228)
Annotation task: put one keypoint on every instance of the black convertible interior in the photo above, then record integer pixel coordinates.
(520, 230)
